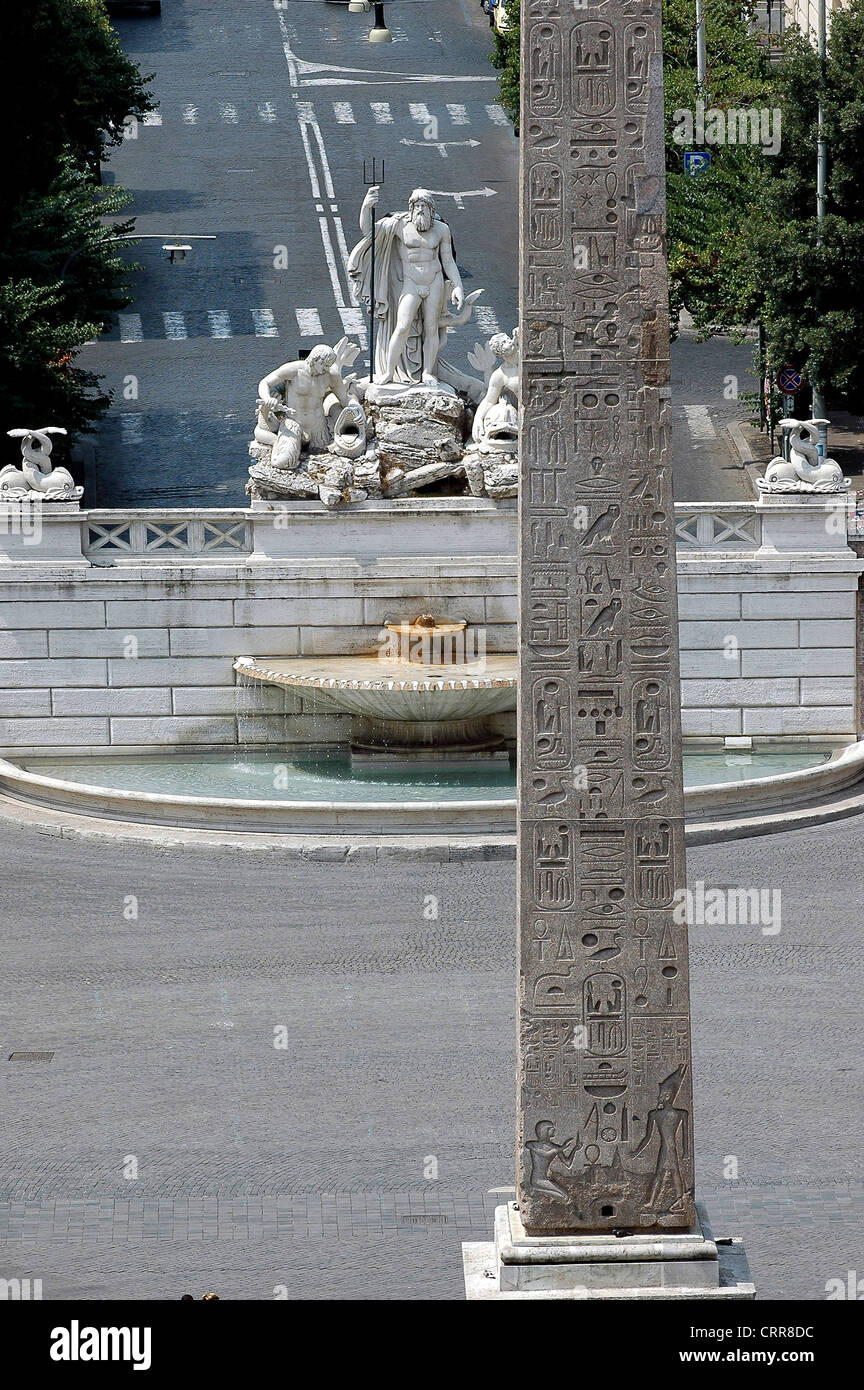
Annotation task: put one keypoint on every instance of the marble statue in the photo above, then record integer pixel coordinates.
(297, 418)
(496, 420)
(804, 470)
(416, 276)
(36, 478)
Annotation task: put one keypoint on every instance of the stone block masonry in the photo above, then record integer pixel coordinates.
(137, 650)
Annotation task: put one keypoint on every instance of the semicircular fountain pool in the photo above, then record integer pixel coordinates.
(331, 792)
(332, 775)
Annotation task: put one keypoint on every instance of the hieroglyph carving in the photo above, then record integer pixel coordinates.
(605, 1135)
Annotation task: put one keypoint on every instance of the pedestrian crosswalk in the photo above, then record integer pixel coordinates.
(271, 112)
(175, 325)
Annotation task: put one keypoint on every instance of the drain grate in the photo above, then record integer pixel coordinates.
(31, 1056)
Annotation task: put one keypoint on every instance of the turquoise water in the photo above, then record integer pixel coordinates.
(330, 777)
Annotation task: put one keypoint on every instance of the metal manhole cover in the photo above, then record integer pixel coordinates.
(31, 1056)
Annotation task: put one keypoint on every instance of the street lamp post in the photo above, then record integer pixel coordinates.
(175, 247)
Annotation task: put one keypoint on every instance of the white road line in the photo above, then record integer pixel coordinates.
(343, 113)
(330, 257)
(310, 163)
(305, 111)
(497, 114)
(486, 319)
(190, 114)
(265, 323)
(175, 326)
(266, 111)
(699, 423)
(328, 180)
(220, 323)
(419, 112)
(309, 323)
(229, 112)
(152, 118)
(458, 114)
(343, 252)
(130, 328)
(382, 113)
(131, 431)
(354, 321)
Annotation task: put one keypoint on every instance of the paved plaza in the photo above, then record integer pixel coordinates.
(309, 1167)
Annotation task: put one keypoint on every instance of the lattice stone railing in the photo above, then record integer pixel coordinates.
(113, 536)
(704, 526)
(116, 536)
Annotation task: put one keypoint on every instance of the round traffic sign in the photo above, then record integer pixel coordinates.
(789, 380)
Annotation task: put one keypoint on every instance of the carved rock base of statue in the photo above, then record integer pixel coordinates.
(687, 1265)
(420, 427)
(324, 477)
(491, 474)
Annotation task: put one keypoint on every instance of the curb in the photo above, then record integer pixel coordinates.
(383, 849)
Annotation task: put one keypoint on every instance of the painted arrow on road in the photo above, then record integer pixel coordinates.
(467, 193)
(440, 145)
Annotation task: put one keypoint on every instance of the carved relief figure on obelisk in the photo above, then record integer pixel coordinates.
(604, 1106)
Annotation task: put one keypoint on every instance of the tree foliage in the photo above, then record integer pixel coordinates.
(61, 274)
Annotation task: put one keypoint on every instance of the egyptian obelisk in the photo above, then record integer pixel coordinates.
(604, 1089)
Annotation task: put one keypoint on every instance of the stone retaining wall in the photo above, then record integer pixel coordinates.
(128, 648)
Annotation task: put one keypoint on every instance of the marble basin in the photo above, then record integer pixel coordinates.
(393, 690)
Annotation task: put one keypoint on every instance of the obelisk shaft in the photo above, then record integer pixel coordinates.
(604, 1104)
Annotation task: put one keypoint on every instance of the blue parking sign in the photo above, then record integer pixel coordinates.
(695, 161)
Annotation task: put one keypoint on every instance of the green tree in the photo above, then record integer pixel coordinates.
(61, 273)
(61, 279)
(80, 86)
(810, 296)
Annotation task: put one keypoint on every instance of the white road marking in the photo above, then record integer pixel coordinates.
(310, 163)
(440, 145)
(131, 431)
(309, 323)
(266, 111)
(419, 112)
(343, 113)
(130, 328)
(497, 114)
(175, 326)
(190, 114)
(330, 258)
(343, 252)
(382, 113)
(220, 323)
(152, 118)
(265, 323)
(699, 423)
(486, 320)
(305, 111)
(329, 190)
(229, 112)
(458, 198)
(458, 114)
(354, 321)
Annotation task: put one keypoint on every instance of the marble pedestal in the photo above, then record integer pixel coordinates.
(682, 1265)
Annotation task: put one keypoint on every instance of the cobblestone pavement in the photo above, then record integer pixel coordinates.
(311, 1168)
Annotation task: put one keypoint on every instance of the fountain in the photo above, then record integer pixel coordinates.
(427, 692)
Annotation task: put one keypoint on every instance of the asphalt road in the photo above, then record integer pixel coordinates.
(173, 1143)
(266, 116)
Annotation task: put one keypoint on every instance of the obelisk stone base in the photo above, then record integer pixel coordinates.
(685, 1265)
